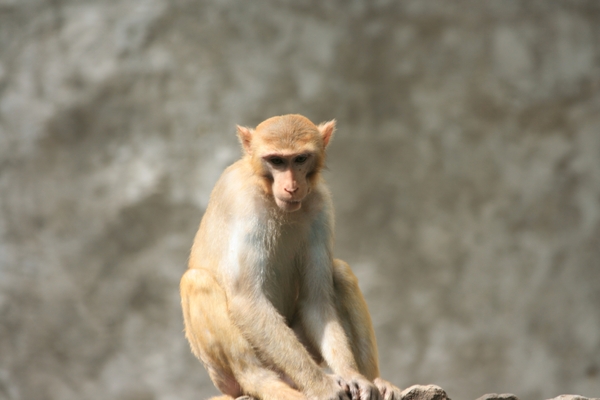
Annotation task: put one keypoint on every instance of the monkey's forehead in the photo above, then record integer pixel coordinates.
(291, 127)
(287, 147)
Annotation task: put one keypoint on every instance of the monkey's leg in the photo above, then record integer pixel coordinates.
(356, 320)
(233, 365)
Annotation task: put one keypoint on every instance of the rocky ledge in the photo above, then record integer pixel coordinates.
(433, 392)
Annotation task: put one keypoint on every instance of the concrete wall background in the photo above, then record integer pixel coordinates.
(465, 171)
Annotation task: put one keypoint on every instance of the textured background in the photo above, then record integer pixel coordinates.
(465, 171)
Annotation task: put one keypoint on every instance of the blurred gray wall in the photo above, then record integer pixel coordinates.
(465, 171)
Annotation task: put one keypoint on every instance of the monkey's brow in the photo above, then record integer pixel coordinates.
(287, 155)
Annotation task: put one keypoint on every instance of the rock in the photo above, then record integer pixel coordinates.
(572, 397)
(496, 396)
(421, 392)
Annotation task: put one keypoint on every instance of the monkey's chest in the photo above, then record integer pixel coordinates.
(282, 287)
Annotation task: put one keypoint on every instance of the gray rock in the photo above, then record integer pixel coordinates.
(572, 397)
(424, 392)
(496, 396)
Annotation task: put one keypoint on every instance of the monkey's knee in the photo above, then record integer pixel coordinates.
(207, 326)
(214, 336)
(204, 307)
(344, 280)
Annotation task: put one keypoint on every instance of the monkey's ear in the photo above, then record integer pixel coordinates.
(327, 129)
(245, 136)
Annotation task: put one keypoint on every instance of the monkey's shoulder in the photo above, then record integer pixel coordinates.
(236, 177)
(234, 187)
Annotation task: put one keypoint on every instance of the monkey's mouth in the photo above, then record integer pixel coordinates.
(288, 205)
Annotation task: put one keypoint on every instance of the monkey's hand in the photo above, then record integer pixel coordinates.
(387, 390)
(360, 388)
(342, 383)
(333, 388)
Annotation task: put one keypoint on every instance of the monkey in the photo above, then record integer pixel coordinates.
(265, 304)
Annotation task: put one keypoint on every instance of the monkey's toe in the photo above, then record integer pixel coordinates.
(387, 390)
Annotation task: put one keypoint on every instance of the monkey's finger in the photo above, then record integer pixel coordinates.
(386, 394)
(391, 395)
(355, 391)
(374, 393)
(344, 396)
(346, 387)
(383, 392)
(343, 384)
(387, 391)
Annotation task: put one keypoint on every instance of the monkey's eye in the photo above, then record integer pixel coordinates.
(301, 159)
(276, 160)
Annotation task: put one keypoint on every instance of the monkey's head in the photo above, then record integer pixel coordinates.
(287, 153)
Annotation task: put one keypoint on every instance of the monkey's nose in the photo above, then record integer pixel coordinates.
(291, 190)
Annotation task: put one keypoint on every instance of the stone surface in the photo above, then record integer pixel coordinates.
(572, 397)
(465, 173)
(423, 392)
(496, 396)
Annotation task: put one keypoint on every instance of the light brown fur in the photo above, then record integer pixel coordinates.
(263, 300)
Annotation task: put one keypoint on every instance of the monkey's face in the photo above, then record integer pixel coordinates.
(287, 175)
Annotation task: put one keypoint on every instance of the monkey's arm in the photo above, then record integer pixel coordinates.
(324, 329)
(321, 321)
(268, 333)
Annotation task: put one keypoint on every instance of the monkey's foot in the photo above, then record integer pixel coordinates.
(387, 390)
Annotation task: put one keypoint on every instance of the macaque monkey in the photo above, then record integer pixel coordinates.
(264, 302)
